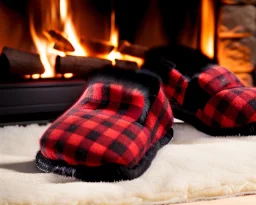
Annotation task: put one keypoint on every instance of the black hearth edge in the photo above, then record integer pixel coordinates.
(40, 101)
(25, 101)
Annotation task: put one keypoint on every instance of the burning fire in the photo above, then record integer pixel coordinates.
(113, 40)
(69, 30)
(207, 28)
(47, 48)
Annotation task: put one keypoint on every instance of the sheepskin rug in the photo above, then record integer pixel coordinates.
(192, 167)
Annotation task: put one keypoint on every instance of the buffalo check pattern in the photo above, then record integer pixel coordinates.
(218, 78)
(225, 101)
(112, 122)
(176, 86)
(231, 104)
(230, 108)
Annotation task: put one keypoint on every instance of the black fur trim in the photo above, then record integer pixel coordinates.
(195, 97)
(106, 173)
(187, 61)
(159, 66)
(147, 82)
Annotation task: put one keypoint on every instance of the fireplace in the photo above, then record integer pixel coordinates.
(49, 46)
(236, 40)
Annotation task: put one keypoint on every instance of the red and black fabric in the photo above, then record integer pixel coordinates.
(112, 132)
(214, 101)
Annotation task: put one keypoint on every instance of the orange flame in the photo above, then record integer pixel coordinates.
(45, 47)
(63, 10)
(207, 28)
(60, 17)
(69, 30)
(114, 41)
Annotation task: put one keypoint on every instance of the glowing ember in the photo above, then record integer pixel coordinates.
(207, 28)
(68, 75)
(26, 76)
(35, 76)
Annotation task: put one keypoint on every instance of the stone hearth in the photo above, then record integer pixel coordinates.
(236, 48)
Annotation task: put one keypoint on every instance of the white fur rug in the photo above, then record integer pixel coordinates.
(193, 167)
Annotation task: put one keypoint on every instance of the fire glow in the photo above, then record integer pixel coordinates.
(45, 47)
(207, 28)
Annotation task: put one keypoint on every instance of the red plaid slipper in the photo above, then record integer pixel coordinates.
(214, 101)
(112, 132)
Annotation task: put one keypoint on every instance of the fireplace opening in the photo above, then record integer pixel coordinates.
(154, 23)
(113, 30)
(59, 41)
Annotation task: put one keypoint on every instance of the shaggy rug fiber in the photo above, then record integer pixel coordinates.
(192, 167)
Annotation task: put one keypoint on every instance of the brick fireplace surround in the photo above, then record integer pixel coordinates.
(236, 33)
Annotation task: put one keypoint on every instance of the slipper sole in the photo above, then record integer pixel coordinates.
(108, 172)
